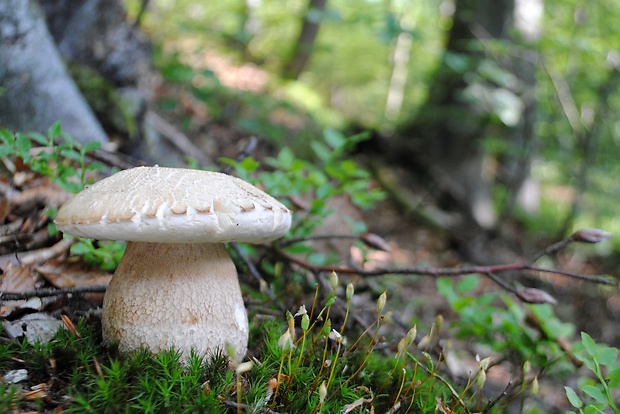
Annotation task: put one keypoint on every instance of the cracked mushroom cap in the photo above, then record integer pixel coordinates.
(174, 205)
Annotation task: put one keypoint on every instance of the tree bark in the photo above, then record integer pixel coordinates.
(36, 88)
(445, 138)
(303, 47)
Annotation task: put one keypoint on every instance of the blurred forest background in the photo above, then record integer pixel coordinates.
(497, 108)
(491, 110)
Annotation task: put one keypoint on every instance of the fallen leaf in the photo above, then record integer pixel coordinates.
(376, 242)
(5, 207)
(14, 376)
(350, 407)
(36, 327)
(18, 279)
(441, 407)
(63, 274)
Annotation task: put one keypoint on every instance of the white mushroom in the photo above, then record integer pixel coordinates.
(176, 286)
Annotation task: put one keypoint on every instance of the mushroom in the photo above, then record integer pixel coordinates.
(176, 286)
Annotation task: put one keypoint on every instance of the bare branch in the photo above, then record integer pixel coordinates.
(5, 296)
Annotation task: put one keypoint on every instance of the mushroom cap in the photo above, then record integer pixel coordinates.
(174, 205)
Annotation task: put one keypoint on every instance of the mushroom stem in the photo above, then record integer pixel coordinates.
(176, 295)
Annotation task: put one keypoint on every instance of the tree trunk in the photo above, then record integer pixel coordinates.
(464, 107)
(36, 88)
(303, 47)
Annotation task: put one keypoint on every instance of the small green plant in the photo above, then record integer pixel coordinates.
(103, 254)
(57, 156)
(65, 162)
(330, 174)
(519, 331)
(599, 394)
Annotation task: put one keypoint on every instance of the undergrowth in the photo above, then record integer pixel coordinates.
(302, 364)
(318, 358)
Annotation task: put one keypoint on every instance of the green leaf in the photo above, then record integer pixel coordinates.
(321, 150)
(286, 157)
(6, 150)
(334, 138)
(54, 130)
(91, 146)
(467, 283)
(23, 145)
(7, 137)
(82, 247)
(95, 166)
(588, 344)
(249, 164)
(71, 154)
(606, 355)
(574, 400)
(594, 392)
(39, 138)
(593, 409)
(613, 378)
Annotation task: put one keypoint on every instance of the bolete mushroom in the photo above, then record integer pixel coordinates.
(176, 286)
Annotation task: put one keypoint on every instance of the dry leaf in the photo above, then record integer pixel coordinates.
(14, 376)
(350, 407)
(375, 241)
(18, 279)
(36, 327)
(441, 407)
(62, 274)
(5, 207)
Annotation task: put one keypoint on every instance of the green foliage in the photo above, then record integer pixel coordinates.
(60, 158)
(498, 320)
(103, 254)
(56, 156)
(329, 174)
(602, 361)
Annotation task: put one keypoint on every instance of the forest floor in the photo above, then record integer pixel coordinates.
(45, 264)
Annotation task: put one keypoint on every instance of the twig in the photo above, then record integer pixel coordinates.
(245, 152)
(47, 253)
(113, 159)
(445, 271)
(246, 407)
(551, 249)
(143, 6)
(501, 395)
(264, 287)
(288, 242)
(5, 296)
(499, 281)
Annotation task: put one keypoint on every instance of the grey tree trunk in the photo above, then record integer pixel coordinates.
(36, 88)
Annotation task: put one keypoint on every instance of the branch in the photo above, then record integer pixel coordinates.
(444, 271)
(245, 153)
(246, 407)
(528, 295)
(6, 296)
(262, 284)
